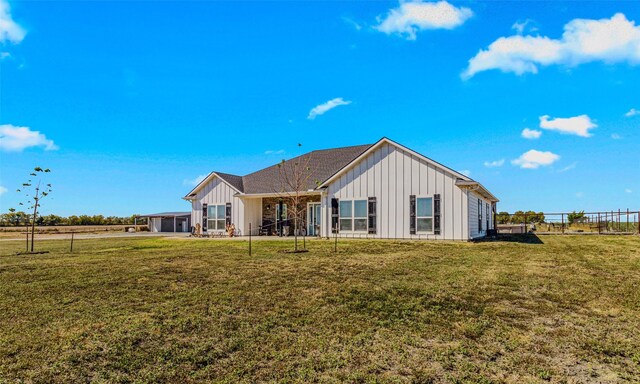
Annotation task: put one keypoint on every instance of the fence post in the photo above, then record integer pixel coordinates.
(598, 223)
(562, 224)
(71, 251)
(626, 227)
(27, 232)
(612, 223)
(618, 219)
(525, 223)
(249, 239)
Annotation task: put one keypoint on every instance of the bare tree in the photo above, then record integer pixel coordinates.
(38, 192)
(294, 176)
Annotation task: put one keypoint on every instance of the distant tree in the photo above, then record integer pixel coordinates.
(576, 217)
(34, 192)
(517, 217)
(503, 218)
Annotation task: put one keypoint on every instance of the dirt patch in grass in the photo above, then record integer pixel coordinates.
(158, 310)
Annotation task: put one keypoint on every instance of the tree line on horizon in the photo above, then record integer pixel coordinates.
(17, 219)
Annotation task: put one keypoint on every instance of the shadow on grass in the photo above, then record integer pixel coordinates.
(525, 238)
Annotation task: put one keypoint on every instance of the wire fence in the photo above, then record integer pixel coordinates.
(602, 222)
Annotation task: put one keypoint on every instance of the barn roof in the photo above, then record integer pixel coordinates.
(166, 214)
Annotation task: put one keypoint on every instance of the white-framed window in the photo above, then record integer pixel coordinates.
(216, 218)
(424, 214)
(353, 215)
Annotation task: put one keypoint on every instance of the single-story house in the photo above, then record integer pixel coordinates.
(169, 221)
(380, 190)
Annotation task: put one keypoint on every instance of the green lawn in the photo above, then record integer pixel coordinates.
(162, 310)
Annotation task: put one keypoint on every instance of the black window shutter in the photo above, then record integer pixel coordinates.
(436, 214)
(479, 215)
(227, 214)
(334, 215)
(412, 214)
(486, 218)
(372, 215)
(204, 217)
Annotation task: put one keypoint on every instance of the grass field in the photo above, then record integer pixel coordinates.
(160, 310)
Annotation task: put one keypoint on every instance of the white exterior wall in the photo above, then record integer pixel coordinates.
(217, 192)
(252, 214)
(391, 175)
(473, 215)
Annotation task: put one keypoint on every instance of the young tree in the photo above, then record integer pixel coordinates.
(294, 176)
(38, 191)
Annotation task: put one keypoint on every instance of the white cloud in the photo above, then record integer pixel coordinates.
(611, 40)
(10, 31)
(3, 190)
(627, 190)
(16, 139)
(632, 112)
(274, 152)
(568, 168)
(495, 163)
(194, 182)
(352, 23)
(615, 136)
(534, 159)
(329, 105)
(521, 26)
(413, 16)
(531, 134)
(466, 172)
(578, 125)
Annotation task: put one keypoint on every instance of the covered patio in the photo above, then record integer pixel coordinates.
(278, 219)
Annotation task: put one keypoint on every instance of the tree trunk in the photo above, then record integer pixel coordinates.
(33, 223)
(295, 233)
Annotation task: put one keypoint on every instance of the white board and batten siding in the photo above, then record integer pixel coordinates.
(392, 174)
(217, 192)
(252, 215)
(473, 215)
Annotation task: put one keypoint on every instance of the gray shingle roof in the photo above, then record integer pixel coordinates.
(234, 180)
(322, 165)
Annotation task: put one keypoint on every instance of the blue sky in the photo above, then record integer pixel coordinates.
(129, 102)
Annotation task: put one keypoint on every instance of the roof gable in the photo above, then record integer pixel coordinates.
(377, 145)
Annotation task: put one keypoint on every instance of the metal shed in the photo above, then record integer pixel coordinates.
(169, 221)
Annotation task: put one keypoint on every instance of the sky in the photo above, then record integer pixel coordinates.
(131, 103)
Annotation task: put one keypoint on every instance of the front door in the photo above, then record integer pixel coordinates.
(313, 219)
